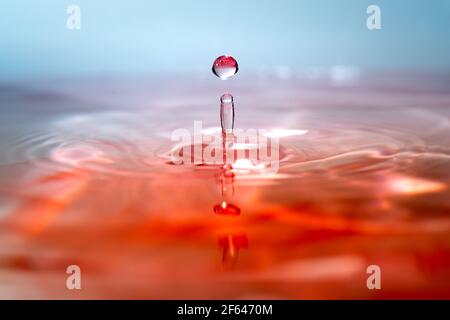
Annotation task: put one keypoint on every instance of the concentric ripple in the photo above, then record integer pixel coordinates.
(88, 177)
(122, 145)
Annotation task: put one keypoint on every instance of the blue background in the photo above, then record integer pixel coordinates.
(156, 37)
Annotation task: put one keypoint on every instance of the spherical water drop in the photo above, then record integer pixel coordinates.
(225, 67)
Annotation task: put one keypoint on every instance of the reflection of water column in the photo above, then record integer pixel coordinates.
(227, 193)
(231, 245)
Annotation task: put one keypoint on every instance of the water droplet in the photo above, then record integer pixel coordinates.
(227, 209)
(225, 67)
(227, 113)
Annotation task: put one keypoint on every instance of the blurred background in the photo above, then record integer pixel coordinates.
(165, 37)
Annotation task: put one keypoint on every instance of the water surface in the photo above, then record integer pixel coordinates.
(363, 179)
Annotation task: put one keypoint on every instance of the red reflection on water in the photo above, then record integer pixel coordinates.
(344, 199)
(134, 227)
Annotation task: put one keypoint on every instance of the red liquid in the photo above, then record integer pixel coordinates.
(225, 67)
(363, 180)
